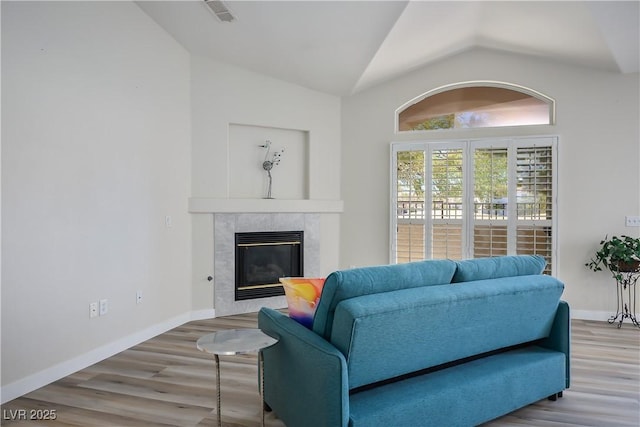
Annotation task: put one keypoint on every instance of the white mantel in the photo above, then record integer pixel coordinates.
(213, 205)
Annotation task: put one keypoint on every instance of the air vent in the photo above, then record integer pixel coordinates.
(220, 10)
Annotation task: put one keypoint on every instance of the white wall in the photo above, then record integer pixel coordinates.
(599, 180)
(95, 153)
(224, 95)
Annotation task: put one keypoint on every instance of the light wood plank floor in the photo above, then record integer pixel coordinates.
(167, 381)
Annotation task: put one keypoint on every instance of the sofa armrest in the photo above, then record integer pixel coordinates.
(305, 376)
(559, 338)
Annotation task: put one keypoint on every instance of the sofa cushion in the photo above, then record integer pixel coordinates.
(465, 395)
(495, 268)
(346, 284)
(399, 332)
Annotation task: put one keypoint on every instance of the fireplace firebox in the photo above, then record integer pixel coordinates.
(262, 258)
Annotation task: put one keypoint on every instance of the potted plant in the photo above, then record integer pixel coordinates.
(619, 255)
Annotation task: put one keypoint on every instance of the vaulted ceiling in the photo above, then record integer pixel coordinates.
(342, 47)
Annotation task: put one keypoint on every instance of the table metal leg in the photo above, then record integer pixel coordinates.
(236, 341)
(218, 389)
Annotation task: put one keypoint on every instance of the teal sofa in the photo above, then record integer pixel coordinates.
(427, 343)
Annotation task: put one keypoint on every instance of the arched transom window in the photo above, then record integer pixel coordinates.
(476, 105)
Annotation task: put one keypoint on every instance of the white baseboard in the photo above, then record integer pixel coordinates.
(203, 314)
(49, 375)
(591, 315)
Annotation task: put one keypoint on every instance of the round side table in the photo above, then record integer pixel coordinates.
(232, 342)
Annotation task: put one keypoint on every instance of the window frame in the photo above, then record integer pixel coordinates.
(475, 83)
(512, 144)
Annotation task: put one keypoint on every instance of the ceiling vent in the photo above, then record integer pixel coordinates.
(221, 10)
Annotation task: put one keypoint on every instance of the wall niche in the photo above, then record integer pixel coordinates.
(247, 178)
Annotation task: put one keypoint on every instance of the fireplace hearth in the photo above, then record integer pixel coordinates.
(262, 258)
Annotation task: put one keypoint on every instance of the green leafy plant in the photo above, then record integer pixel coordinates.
(618, 254)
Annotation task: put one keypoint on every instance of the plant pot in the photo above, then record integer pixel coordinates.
(628, 267)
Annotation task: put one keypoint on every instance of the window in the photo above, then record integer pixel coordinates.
(410, 205)
(473, 198)
(476, 105)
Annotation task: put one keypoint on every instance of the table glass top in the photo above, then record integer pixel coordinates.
(235, 341)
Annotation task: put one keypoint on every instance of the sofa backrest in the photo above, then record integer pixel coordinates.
(386, 335)
(347, 284)
(497, 267)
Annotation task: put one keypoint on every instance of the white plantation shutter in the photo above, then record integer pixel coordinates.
(472, 199)
(534, 198)
(490, 201)
(490, 240)
(408, 237)
(445, 232)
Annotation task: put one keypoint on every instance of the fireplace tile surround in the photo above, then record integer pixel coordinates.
(225, 227)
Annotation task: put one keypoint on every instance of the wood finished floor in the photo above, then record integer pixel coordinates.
(167, 381)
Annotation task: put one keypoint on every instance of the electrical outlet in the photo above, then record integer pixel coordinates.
(138, 297)
(104, 307)
(632, 221)
(93, 309)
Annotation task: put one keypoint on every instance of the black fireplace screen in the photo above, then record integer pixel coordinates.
(262, 258)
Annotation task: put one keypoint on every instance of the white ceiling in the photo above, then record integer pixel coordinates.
(342, 47)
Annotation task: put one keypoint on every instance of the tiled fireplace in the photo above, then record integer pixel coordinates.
(226, 225)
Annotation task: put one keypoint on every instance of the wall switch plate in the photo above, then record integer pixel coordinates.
(104, 307)
(168, 221)
(93, 310)
(138, 297)
(632, 221)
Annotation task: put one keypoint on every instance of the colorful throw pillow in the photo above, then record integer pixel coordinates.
(302, 295)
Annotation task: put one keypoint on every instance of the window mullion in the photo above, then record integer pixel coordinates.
(468, 221)
(428, 202)
(512, 199)
(393, 217)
